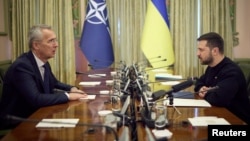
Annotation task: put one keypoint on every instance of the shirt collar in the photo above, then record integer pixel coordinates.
(39, 62)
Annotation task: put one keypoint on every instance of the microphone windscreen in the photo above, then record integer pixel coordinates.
(182, 85)
(156, 95)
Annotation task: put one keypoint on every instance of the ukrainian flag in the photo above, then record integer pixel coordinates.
(156, 38)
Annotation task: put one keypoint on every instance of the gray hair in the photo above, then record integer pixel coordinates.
(35, 33)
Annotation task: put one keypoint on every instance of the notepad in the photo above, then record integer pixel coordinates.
(188, 102)
(167, 76)
(207, 120)
(89, 97)
(90, 83)
(96, 75)
(52, 123)
(171, 83)
(113, 73)
(162, 133)
(104, 92)
(109, 82)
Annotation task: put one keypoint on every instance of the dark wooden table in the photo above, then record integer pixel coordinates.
(87, 112)
(182, 130)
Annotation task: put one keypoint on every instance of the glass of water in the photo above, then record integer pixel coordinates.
(115, 103)
(160, 117)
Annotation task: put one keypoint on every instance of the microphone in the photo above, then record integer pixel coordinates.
(96, 66)
(212, 89)
(143, 61)
(99, 67)
(95, 75)
(98, 63)
(15, 118)
(158, 61)
(107, 61)
(156, 68)
(175, 88)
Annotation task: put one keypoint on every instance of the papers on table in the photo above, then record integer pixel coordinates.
(188, 102)
(90, 83)
(52, 123)
(167, 76)
(207, 120)
(113, 73)
(96, 75)
(171, 83)
(162, 133)
(104, 92)
(109, 82)
(89, 97)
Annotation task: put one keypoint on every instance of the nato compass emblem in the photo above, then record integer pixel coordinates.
(97, 13)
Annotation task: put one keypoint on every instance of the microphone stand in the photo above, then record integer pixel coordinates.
(171, 102)
(133, 113)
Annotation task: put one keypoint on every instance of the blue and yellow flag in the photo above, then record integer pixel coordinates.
(95, 41)
(156, 38)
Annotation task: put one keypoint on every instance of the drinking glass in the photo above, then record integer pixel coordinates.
(160, 117)
(115, 103)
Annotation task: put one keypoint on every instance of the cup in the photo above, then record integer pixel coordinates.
(117, 82)
(160, 117)
(115, 103)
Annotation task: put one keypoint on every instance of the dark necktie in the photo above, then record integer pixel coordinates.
(46, 79)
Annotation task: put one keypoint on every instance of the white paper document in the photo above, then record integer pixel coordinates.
(89, 97)
(90, 83)
(170, 83)
(188, 102)
(162, 133)
(207, 120)
(167, 76)
(104, 92)
(52, 123)
(96, 75)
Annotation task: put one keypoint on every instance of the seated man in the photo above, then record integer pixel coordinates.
(224, 73)
(29, 82)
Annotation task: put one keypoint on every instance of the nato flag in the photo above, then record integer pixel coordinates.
(95, 41)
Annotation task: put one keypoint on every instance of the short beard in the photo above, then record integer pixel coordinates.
(208, 61)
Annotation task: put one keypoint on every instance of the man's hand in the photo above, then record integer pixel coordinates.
(203, 91)
(76, 94)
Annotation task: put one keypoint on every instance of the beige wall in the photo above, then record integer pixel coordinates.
(5, 44)
(5, 48)
(243, 27)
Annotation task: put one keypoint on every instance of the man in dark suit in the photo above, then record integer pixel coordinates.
(29, 83)
(221, 71)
